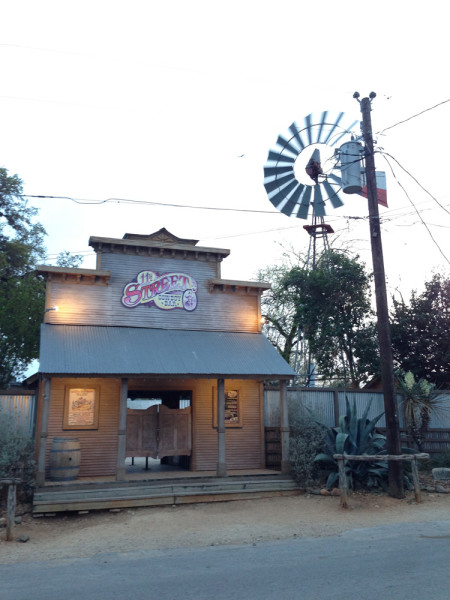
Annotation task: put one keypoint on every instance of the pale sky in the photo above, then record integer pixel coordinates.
(179, 102)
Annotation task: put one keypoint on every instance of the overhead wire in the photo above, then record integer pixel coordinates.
(417, 212)
(228, 209)
(412, 117)
(148, 202)
(418, 183)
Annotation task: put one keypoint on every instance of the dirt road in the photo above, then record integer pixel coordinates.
(240, 522)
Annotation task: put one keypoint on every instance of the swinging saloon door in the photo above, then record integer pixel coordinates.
(158, 432)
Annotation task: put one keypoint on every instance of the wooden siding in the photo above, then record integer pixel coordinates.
(244, 445)
(100, 304)
(98, 446)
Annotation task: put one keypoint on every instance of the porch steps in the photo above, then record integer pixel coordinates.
(97, 496)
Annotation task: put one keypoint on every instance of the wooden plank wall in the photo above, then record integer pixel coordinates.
(98, 446)
(99, 304)
(244, 445)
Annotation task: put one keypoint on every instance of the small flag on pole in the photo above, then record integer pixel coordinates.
(381, 188)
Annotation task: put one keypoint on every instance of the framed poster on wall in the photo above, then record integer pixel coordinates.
(81, 407)
(233, 417)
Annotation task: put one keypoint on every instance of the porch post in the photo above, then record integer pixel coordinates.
(43, 433)
(284, 428)
(122, 442)
(221, 462)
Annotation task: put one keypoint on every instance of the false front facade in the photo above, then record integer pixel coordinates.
(153, 354)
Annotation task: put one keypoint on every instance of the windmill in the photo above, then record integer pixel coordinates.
(296, 178)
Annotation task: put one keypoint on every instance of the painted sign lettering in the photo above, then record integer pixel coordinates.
(166, 291)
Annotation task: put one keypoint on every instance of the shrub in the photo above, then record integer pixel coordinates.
(356, 436)
(16, 453)
(440, 460)
(306, 438)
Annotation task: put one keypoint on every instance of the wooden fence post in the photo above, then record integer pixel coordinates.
(342, 482)
(10, 505)
(415, 478)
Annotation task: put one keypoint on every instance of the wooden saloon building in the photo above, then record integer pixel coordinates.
(154, 321)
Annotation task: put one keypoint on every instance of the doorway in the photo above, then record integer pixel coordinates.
(159, 430)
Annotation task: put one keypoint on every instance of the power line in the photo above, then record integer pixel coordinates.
(413, 117)
(418, 213)
(418, 183)
(148, 203)
(331, 217)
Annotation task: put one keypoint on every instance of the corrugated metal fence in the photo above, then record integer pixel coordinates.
(21, 406)
(328, 404)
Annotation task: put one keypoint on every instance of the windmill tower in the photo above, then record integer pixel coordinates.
(296, 181)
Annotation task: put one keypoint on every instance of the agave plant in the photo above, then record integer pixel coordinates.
(356, 436)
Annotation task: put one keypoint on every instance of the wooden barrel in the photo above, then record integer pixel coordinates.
(65, 456)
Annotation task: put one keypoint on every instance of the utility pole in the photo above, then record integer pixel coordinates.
(393, 444)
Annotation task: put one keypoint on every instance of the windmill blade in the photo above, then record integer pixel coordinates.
(333, 128)
(286, 145)
(276, 157)
(321, 124)
(333, 195)
(319, 204)
(295, 130)
(277, 171)
(292, 201)
(285, 192)
(278, 199)
(278, 183)
(308, 127)
(303, 209)
(344, 133)
(335, 178)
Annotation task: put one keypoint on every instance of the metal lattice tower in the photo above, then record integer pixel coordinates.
(318, 231)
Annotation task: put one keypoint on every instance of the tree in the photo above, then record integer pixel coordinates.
(337, 317)
(22, 293)
(69, 260)
(279, 310)
(330, 306)
(420, 332)
(418, 405)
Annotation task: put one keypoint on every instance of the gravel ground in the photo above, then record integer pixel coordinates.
(70, 535)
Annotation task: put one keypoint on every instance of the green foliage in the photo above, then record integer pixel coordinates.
(279, 307)
(305, 440)
(16, 453)
(332, 306)
(440, 460)
(420, 339)
(419, 403)
(22, 293)
(66, 259)
(356, 436)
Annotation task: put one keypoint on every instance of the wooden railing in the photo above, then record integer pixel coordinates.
(412, 458)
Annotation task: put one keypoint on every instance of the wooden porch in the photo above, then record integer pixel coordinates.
(159, 485)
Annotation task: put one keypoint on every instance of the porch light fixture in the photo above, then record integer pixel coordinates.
(51, 308)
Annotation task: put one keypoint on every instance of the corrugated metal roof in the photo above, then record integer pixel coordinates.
(84, 350)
